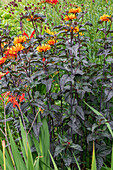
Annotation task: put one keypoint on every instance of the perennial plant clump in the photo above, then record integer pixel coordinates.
(54, 96)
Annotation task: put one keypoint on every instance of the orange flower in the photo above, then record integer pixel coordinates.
(105, 18)
(39, 48)
(12, 51)
(19, 47)
(20, 39)
(76, 29)
(75, 10)
(44, 48)
(32, 18)
(70, 17)
(2, 60)
(52, 42)
(29, 19)
(80, 33)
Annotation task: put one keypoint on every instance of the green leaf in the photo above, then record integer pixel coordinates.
(1, 160)
(54, 164)
(9, 163)
(16, 154)
(99, 114)
(44, 143)
(36, 165)
(77, 162)
(36, 143)
(112, 159)
(30, 159)
(93, 167)
(59, 149)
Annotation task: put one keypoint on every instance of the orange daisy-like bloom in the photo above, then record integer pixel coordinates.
(2, 60)
(76, 29)
(12, 51)
(44, 48)
(20, 39)
(75, 10)
(19, 47)
(70, 17)
(52, 42)
(39, 48)
(105, 18)
(32, 18)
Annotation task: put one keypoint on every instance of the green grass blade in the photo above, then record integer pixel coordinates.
(36, 143)
(30, 159)
(8, 160)
(24, 136)
(23, 152)
(76, 162)
(1, 160)
(99, 114)
(44, 143)
(54, 164)
(112, 159)
(36, 165)
(45, 165)
(16, 154)
(93, 167)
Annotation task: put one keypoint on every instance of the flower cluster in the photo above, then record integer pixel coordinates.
(73, 12)
(44, 48)
(105, 18)
(52, 1)
(14, 101)
(20, 39)
(70, 17)
(12, 51)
